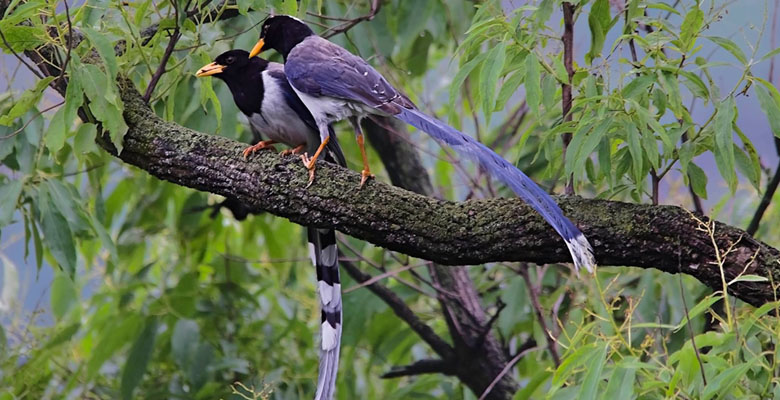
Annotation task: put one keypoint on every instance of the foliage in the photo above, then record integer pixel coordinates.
(155, 297)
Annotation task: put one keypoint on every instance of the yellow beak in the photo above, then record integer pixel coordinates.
(257, 49)
(210, 69)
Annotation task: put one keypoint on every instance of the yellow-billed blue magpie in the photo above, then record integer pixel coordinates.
(335, 84)
(262, 92)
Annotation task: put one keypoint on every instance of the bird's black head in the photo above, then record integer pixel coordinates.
(243, 76)
(232, 63)
(281, 33)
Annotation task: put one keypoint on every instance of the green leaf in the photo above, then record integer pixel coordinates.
(754, 162)
(724, 149)
(699, 308)
(599, 22)
(55, 135)
(527, 392)
(637, 86)
(749, 278)
(729, 46)
(635, 149)
(57, 235)
(418, 55)
(22, 37)
(138, 359)
(725, 382)
(26, 101)
(508, 88)
(116, 334)
(549, 91)
(63, 295)
(746, 167)
(690, 28)
(542, 13)
(207, 95)
(290, 7)
(571, 362)
(771, 106)
(460, 77)
(590, 384)
(533, 84)
(105, 104)
(698, 180)
(185, 338)
(770, 54)
(104, 49)
(3, 341)
(621, 383)
(9, 197)
(488, 78)
(695, 84)
(663, 6)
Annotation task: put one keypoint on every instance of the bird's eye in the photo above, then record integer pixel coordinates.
(230, 60)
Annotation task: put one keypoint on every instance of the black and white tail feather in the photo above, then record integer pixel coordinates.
(324, 255)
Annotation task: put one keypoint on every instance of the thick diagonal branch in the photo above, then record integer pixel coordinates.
(452, 233)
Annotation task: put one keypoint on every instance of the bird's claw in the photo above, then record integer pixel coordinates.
(365, 176)
(257, 147)
(310, 165)
(292, 151)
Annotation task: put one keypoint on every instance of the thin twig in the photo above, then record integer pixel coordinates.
(771, 187)
(22, 60)
(688, 319)
(426, 366)
(766, 199)
(441, 347)
(568, 63)
(504, 371)
(38, 114)
(69, 44)
(349, 24)
(164, 60)
(383, 276)
(533, 293)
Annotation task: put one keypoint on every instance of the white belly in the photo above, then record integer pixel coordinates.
(278, 121)
(290, 131)
(327, 110)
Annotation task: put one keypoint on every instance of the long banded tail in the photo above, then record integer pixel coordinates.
(324, 256)
(522, 185)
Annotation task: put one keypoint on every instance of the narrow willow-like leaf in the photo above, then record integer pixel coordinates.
(488, 78)
(698, 180)
(729, 46)
(598, 21)
(9, 196)
(690, 28)
(724, 149)
(533, 84)
(770, 105)
(138, 359)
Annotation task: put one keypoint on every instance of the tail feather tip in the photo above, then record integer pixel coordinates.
(582, 254)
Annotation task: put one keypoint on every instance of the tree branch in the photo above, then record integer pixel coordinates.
(452, 233)
(421, 367)
(400, 309)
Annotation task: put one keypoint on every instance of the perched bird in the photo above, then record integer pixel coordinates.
(261, 91)
(335, 84)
